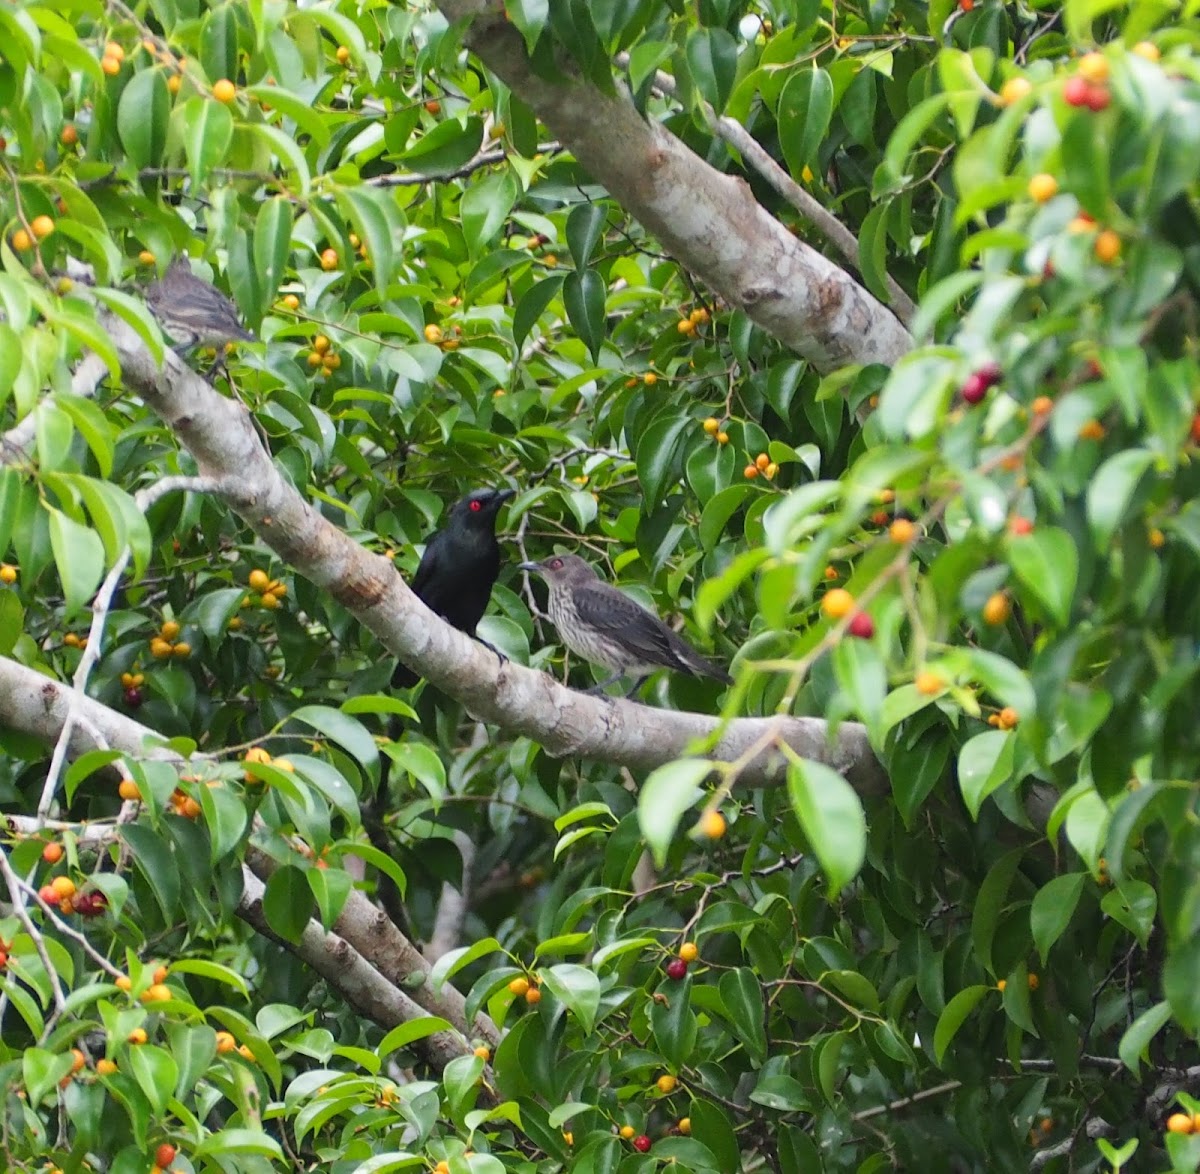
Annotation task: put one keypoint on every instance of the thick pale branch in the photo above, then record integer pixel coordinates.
(221, 437)
(709, 221)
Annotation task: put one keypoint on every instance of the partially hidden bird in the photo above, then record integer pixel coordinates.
(606, 627)
(459, 568)
(193, 312)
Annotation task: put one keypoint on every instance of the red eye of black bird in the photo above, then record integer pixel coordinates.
(476, 506)
(556, 564)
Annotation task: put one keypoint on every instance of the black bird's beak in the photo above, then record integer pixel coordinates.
(503, 495)
(529, 566)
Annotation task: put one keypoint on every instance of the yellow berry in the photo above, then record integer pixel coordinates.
(182, 649)
(902, 531)
(689, 951)
(1014, 90)
(837, 603)
(160, 649)
(1107, 247)
(137, 1035)
(666, 1084)
(105, 1067)
(169, 630)
(929, 683)
(1093, 67)
(1146, 49)
(343, 54)
(331, 361)
(64, 886)
(174, 83)
(519, 987)
(627, 1131)
(685, 1125)
(1157, 539)
(42, 226)
(1001, 984)
(1180, 1123)
(123, 982)
(770, 471)
(685, 326)
(225, 1042)
(1034, 982)
(329, 260)
(8, 573)
(259, 580)
(433, 333)
(291, 302)
(483, 1053)
(712, 426)
(712, 825)
(224, 90)
(722, 437)
(128, 790)
(245, 1053)
(550, 261)
(21, 240)
(1043, 187)
(649, 379)
(1092, 430)
(320, 344)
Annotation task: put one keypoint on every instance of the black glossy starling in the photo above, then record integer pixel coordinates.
(605, 626)
(459, 567)
(193, 312)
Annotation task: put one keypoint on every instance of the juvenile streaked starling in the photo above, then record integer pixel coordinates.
(193, 312)
(459, 567)
(605, 626)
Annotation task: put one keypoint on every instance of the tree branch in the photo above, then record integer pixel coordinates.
(710, 222)
(220, 435)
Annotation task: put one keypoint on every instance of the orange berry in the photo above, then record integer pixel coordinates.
(1107, 247)
(533, 996)
(52, 853)
(105, 1067)
(69, 135)
(433, 106)
(762, 461)
(128, 790)
(1180, 1123)
(1092, 430)
(518, 987)
(78, 1060)
(750, 472)
(483, 1053)
(21, 240)
(929, 683)
(712, 825)
(722, 437)
(158, 993)
(1042, 405)
(225, 1042)
(685, 326)
(1007, 718)
(329, 260)
(649, 379)
(997, 609)
(110, 65)
(1042, 187)
(1020, 525)
(113, 49)
(123, 982)
(902, 531)
(42, 226)
(837, 603)
(174, 83)
(1034, 982)
(291, 302)
(224, 91)
(160, 974)
(138, 1034)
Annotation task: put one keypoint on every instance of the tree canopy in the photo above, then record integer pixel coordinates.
(858, 341)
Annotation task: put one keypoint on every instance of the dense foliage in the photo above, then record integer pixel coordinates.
(987, 555)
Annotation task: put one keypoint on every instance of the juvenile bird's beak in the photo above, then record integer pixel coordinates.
(529, 566)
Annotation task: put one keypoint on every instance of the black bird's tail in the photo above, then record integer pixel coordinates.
(704, 667)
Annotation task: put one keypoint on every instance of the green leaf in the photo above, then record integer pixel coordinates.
(990, 902)
(420, 761)
(226, 817)
(585, 226)
(805, 111)
(346, 731)
(207, 131)
(529, 17)
(79, 556)
(156, 1073)
(1047, 565)
(742, 997)
(657, 455)
(712, 61)
(953, 1017)
(531, 306)
(41, 1071)
(872, 250)
(667, 794)
(831, 816)
(583, 296)
(1111, 492)
(577, 988)
(142, 117)
(446, 147)
(454, 960)
(272, 243)
(238, 1141)
(410, 1032)
(1133, 904)
(374, 215)
(288, 902)
(1135, 1042)
(485, 208)
(1052, 910)
(331, 887)
(1180, 985)
(984, 763)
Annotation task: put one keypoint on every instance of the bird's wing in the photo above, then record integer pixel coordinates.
(614, 614)
(430, 561)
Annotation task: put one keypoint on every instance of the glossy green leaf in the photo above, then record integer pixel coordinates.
(832, 818)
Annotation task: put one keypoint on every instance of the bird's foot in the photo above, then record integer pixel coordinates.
(499, 655)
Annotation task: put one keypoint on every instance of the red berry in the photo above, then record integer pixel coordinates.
(49, 895)
(1076, 91)
(164, 1155)
(133, 697)
(1097, 98)
(676, 968)
(861, 626)
(974, 389)
(642, 1143)
(990, 373)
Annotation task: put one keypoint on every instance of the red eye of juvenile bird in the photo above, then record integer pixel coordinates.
(476, 506)
(556, 564)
